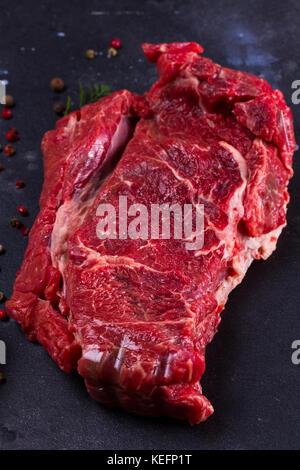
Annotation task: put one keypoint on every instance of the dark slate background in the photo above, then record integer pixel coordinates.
(250, 378)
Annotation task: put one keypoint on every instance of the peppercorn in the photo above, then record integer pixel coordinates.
(22, 210)
(14, 222)
(57, 84)
(90, 54)
(112, 52)
(1, 167)
(20, 184)
(2, 297)
(9, 150)
(12, 136)
(9, 101)
(2, 250)
(24, 230)
(6, 113)
(59, 107)
(18, 272)
(2, 378)
(2, 315)
(115, 43)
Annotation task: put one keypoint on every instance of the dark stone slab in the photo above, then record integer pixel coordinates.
(250, 378)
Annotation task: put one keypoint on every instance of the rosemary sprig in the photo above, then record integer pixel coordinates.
(95, 93)
(68, 106)
(82, 94)
(89, 95)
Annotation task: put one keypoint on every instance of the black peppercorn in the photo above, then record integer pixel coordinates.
(57, 84)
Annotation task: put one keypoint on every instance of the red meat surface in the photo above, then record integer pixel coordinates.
(132, 315)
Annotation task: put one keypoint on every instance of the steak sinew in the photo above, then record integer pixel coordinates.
(134, 316)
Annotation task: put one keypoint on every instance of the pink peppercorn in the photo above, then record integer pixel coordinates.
(2, 315)
(12, 137)
(6, 113)
(24, 230)
(115, 43)
(22, 210)
(20, 184)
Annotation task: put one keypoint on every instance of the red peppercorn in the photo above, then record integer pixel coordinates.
(18, 272)
(115, 43)
(2, 315)
(20, 184)
(6, 113)
(24, 230)
(22, 210)
(12, 137)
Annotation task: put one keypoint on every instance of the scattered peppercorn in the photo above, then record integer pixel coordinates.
(59, 107)
(90, 54)
(12, 136)
(14, 222)
(2, 378)
(24, 230)
(18, 272)
(2, 250)
(6, 113)
(112, 52)
(22, 210)
(20, 184)
(2, 315)
(9, 101)
(9, 150)
(2, 297)
(57, 84)
(115, 43)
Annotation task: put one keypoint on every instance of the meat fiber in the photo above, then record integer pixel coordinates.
(134, 316)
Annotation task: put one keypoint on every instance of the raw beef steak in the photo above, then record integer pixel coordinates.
(134, 315)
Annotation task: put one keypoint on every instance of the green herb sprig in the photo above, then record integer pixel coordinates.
(88, 95)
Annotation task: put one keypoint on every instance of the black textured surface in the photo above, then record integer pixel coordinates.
(250, 378)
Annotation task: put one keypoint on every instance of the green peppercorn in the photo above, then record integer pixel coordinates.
(14, 222)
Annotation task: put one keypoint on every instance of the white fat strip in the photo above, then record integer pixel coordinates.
(254, 247)
(194, 81)
(94, 355)
(236, 207)
(72, 213)
(93, 257)
(240, 160)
